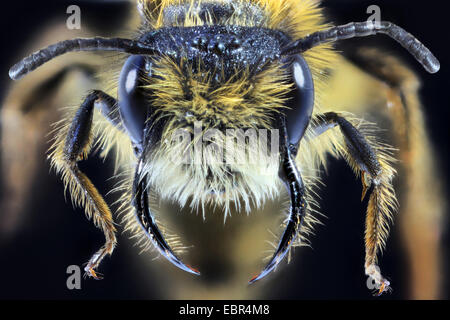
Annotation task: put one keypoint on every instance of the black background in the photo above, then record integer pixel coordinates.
(51, 235)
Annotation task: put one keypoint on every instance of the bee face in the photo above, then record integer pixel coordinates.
(216, 75)
(221, 65)
(159, 98)
(224, 76)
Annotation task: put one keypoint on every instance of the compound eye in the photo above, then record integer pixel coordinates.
(301, 100)
(133, 106)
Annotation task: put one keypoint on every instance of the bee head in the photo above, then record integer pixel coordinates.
(226, 75)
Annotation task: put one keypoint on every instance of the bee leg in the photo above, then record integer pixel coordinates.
(368, 159)
(72, 147)
(148, 223)
(292, 179)
(422, 198)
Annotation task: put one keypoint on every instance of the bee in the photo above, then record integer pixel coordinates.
(229, 66)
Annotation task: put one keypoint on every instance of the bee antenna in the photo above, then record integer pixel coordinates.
(40, 57)
(363, 29)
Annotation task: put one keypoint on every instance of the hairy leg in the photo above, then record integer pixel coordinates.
(422, 199)
(73, 144)
(388, 93)
(365, 157)
(28, 111)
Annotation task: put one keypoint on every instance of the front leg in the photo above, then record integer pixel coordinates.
(73, 144)
(373, 162)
